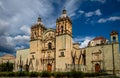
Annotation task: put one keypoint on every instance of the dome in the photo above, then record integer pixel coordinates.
(98, 41)
(99, 38)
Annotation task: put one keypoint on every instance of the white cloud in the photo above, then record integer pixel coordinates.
(25, 29)
(89, 14)
(6, 46)
(9, 41)
(71, 15)
(96, 13)
(102, 20)
(16, 18)
(81, 12)
(1, 5)
(83, 40)
(21, 40)
(3, 23)
(72, 6)
(113, 18)
(101, 1)
(10, 44)
(21, 47)
(18, 13)
(85, 43)
(3, 26)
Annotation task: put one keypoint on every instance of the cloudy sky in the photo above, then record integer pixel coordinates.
(90, 18)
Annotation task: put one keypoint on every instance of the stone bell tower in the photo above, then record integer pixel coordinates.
(63, 24)
(63, 41)
(114, 37)
(37, 30)
(36, 44)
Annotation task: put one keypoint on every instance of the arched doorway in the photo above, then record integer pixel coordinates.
(49, 67)
(97, 67)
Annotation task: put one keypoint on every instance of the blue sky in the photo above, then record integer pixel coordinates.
(90, 18)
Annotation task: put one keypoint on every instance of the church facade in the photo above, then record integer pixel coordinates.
(50, 49)
(53, 50)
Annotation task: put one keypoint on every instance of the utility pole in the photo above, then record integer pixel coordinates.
(113, 59)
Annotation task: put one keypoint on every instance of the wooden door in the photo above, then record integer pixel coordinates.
(49, 67)
(97, 67)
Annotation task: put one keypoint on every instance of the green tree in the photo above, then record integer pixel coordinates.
(6, 67)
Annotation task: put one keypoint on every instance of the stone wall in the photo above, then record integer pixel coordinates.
(21, 55)
(105, 58)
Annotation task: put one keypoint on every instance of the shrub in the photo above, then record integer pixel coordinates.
(45, 74)
(11, 74)
(52, 73)
(33, 74)
(6, 67)
(91, 74)
(22, 73)
(95, 74)
(73, 74)
(68, 74)
(3, 74)
(59, 74)
(77, 74)
(88, 75)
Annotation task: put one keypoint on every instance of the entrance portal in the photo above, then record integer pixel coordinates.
(49, 67)
(97, 67)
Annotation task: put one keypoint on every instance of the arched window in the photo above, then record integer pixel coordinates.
(49, 45)
(61, 29)
(114, 39)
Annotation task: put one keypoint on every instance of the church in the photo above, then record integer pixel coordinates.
(54, 50)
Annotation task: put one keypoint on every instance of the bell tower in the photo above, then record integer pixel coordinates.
(37, 31)
(63, 41)
(114, 37)
(63, 24)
